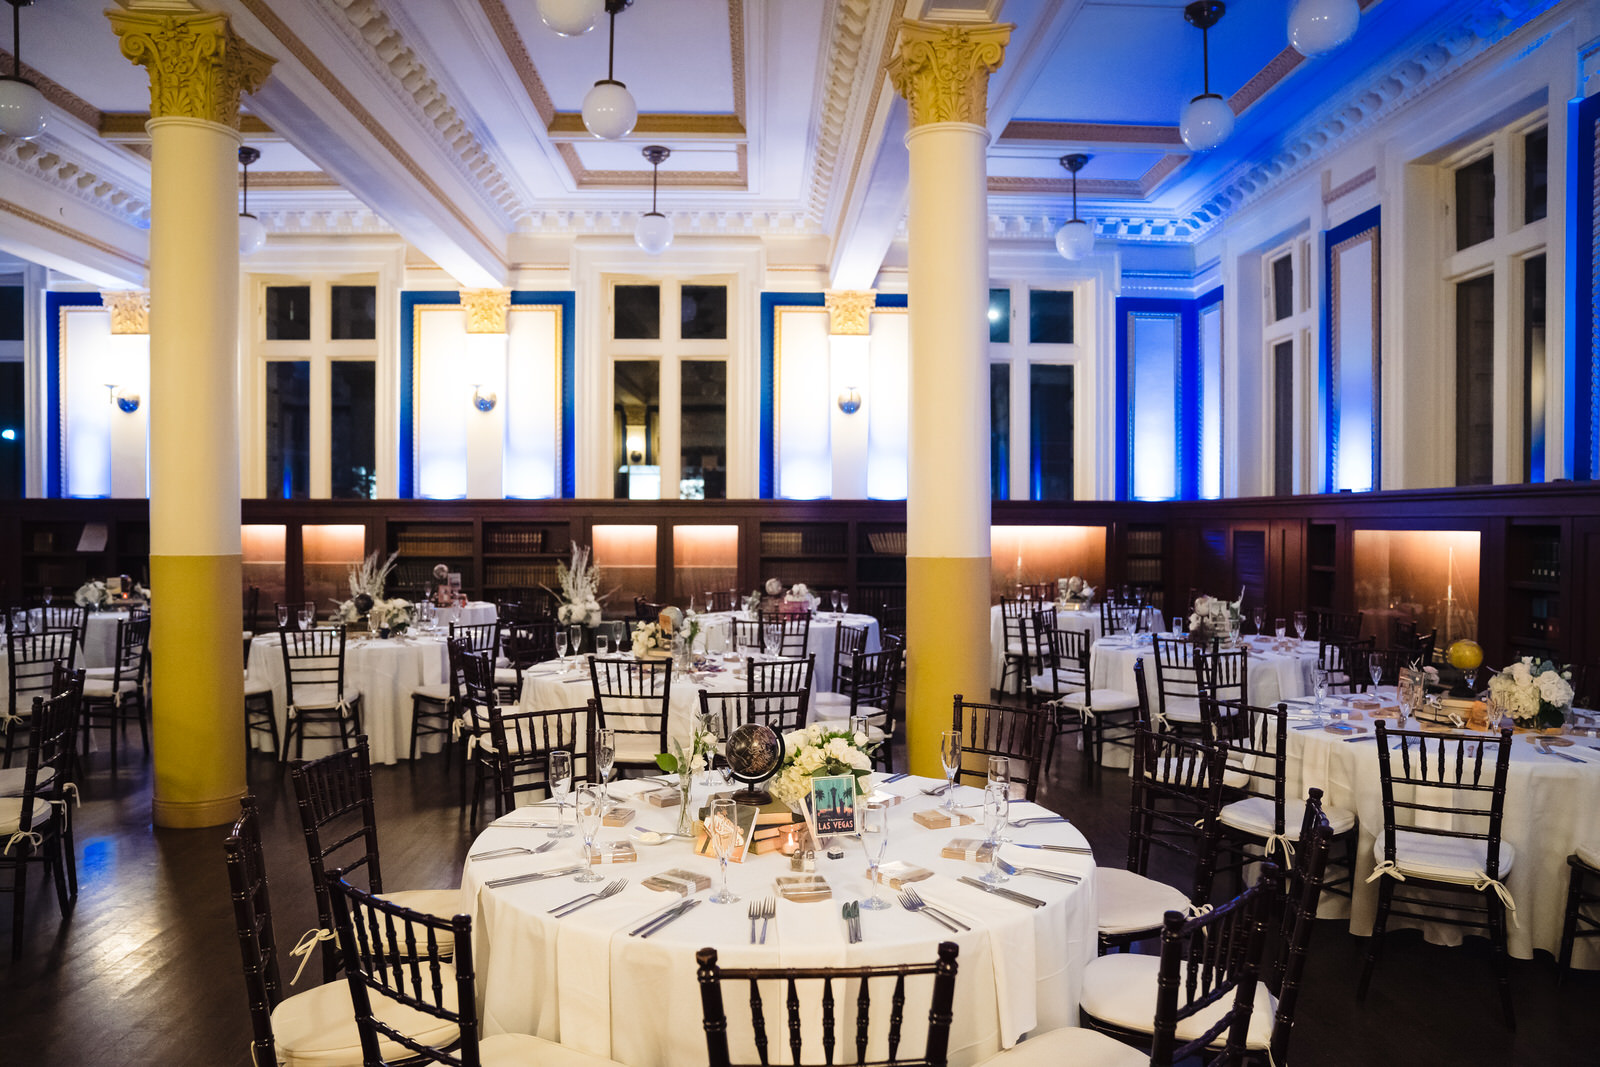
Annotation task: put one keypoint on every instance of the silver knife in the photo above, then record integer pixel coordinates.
(1020, 898)
(895, 777)
(655, 917)
(682, 910)
(1074, 849)
(1563, 755)
(496, 883)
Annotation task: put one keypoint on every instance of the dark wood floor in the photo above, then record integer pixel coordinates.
(146, 969)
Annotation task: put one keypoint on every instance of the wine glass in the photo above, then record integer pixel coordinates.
(602, 641)
(710, 600)
(308, 615)
(283, 616)
(950, 756)
(561, 646)
(1000, 775)
(560, 785)
(1375, 669)
(575, 638)
(605, 757)
(690, 610)
(844, 601)
(49, 595)
(1260, 617)
(1300, 624)
(1319, 678)
(833, 600)
(722, 827)
(588, 809)
(1281, 626)
(873, 817)
(996, 808)
(771, 640)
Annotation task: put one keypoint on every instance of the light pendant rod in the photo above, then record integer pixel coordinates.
(16, 40)
(247, 156)
(1074, 163)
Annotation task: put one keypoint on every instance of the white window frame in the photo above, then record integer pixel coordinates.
(1021, 354)
(1299, 329)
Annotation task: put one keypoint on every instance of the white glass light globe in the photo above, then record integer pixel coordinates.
(653, 233)
(1207, 121)
(1319, 26)
(609, 111)
(252, 235)
(21, 109)
(570, 18)
(1075, 239)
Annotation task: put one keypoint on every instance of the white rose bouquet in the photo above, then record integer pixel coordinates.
(650, 641)
(819, 750)
(580, 589)
(91, 595)
(1078, 591)
(1535, 695)
(1214, 619)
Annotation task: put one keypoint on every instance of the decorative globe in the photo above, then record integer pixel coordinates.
(754, 751)
(363, 603)
(1207, 121)
(1465, 655)
(609, 111)
(1319, 26)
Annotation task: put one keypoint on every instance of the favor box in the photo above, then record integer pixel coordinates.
(972, 849)
(897, 874)
(613, 852)
(618, 817)
(677, 880)
(934, 819)
(663, 798)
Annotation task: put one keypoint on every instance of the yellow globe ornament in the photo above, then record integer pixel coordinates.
(1465, 655)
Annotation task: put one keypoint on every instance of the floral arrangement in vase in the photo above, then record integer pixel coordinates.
(1215, 619)
(1075, 590)
(92, 594)
(686, 761)
(819, 750)
(580, 589)
(650, 641)
(393, 616)
(366, 599)
(1535, 695)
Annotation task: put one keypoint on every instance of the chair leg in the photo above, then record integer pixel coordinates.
(57, 866)
(1502, 966)
(1375, 947)
(144, 728)
(1569, 927)
(416, 709)
(69, 853)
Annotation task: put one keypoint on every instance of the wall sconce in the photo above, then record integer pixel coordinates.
(483, 401)
(125, 399)
(850, 401)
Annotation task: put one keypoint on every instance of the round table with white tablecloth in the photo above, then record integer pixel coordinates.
(1278, 669)
(1085, 618)
(383, 670)
(583, 981)
(1549, 808)
(99, 636)
(821, 639)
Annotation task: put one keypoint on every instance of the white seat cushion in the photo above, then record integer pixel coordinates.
(99, 672)
(1130, 902)
(100, 688)
(1589, 854)
(521, 1050)
(1120, 989)
(837, 712)
(1069, 1045)
(254, 687)
(826, 699)
(1182, 709)
(322, 697)
(1443, 859)
(318, 1027)
(1099, 700)
(440, 692)
(13, 780)
(505, 676)
(11, 815)
(1253, 815)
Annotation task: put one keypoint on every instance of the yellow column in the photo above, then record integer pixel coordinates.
(198, 68)
(943, 71)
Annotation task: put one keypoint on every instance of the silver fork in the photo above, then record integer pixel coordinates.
(1033, 819)
(1039, 872)
(755, 913)
(769, 909)
(610, 889)
(513, 850)
(911, 900)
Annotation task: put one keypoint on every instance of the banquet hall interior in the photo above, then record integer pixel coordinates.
(1142, 451)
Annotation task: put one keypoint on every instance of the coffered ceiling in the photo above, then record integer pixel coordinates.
(456, 122)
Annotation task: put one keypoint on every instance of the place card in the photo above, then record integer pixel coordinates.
(613, 852)
(937, 819)
(803, 888)
(677, 880)
(618, 817)
(972, 849)
(897, 874)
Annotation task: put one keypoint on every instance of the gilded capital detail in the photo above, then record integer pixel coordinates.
(486, 309)
(942, 69)
(130, 311)
(198, 66)
(848, 311)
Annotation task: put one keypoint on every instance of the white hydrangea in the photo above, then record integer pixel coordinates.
(1553, 688)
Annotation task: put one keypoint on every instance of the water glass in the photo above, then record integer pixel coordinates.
(1177, 624)
(605, 757)
(872, 819)
(560, 785)
(589, 809)
(859, 725)
(722, 826)
(1319, 677)
(561, 645)
(283, 615)
(602, 641)
(1300, 624)
(1375, 669)
(833, 600)
(1282, 628)
(950, 756)
(996, 809)
(710, 600)
(308, 615)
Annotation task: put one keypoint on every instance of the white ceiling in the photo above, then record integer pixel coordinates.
(455, 120)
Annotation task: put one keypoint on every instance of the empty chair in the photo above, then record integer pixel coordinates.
(1335, 626)
(1441, 835)
(435, 707)
(1583, 902)
(314, 688)
(524, 644)
(994, 730)
(850, 640)
(110, 702)
(792, 630)
(521, 743)
(874, 681)
(1344, 661)
(31, 665)
(1076, 706)
(860, 986)
(633, 697)
(647, 610)
(1178, 682)
(1389, 661)
(727, 711)
(34, 824)
(479, 706)
(260, 714)
(334, 797)
(426, 1011)
(1017, 656)
(63, 617)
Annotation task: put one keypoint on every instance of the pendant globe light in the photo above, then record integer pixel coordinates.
(252, 235)
(21, 102)
(653, 233)
(570, 18)
(1317, 27)
(1207, 120)
(608, 109)
(1075, 239)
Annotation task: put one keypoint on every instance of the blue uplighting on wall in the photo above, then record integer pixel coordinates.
(406, 483)
(1178, 443)
(1361, 453)
(55, 441)
(767, 482)
(1582, 356)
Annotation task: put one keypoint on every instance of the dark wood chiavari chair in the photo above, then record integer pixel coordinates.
(1178, 684)
(314, 688)
(633, 698)
(995, 730)
(1064, 687)
(1582, 916)
(523, 740)
(849, 641)
(647, 610)
(1016, 616)
(874, 683)
(37, 828)
(793, 630)
(32, 663)
(1339, 627)
(110, 702)
(784, 712)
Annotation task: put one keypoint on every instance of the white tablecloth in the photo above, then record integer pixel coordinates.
(1549, 812)
(583, 981)
(821, 639)
(1086, 620)
(1278, 671)
(99, 636)
(384, 672)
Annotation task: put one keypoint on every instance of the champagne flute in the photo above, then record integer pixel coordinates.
(308, 614)
(1282, 628)
(722, 827)
(1300, 624)
(873, 817)
(1260, 617)
(560, 784)
(833, 600)
(283, 616)
(771, 640)
(49, 595)
(709, 602)
(575, 638)
(1375, 669)
(588, 809)
(1000, 776)
(1319, 677)
(605, 757)
(950, 756)
(996, 809)
(561, 646)
(844, 602)
(602, 641)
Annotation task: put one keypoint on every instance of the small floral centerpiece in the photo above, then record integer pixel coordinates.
(443, 596)
(819, 750)
(650, 641)
(686, 761)
(1075, 590)
(366, 587)
(1214, 619)
(393, 616)
(93, 594)
(580, 589)
(752, 603)
(1535, 695)
(799, 598)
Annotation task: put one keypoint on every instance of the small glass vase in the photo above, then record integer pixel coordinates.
(680, 655)
(685, 816)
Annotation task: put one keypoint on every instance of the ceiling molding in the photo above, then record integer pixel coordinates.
(43, 159)
(851, 76)
(1089, 133)
(36, 219)
(505, 31)
(640, 179)
(292, 179)
(596, 222)
(1265, 80)
(319, 222)
(1108, 188)
(568, 126)
(1344, 189)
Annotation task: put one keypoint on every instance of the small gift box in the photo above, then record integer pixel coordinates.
(803, 888)
(618, 817)
(972, 849)
(888, 800)
(613, 852)
(935, 819)
(897, 874)
(663, 798)
(677, 880)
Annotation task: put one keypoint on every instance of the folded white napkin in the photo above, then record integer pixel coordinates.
(1013, 930)
(811, 934)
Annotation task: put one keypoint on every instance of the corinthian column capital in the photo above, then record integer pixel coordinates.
(198, 66)
(942, 69)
